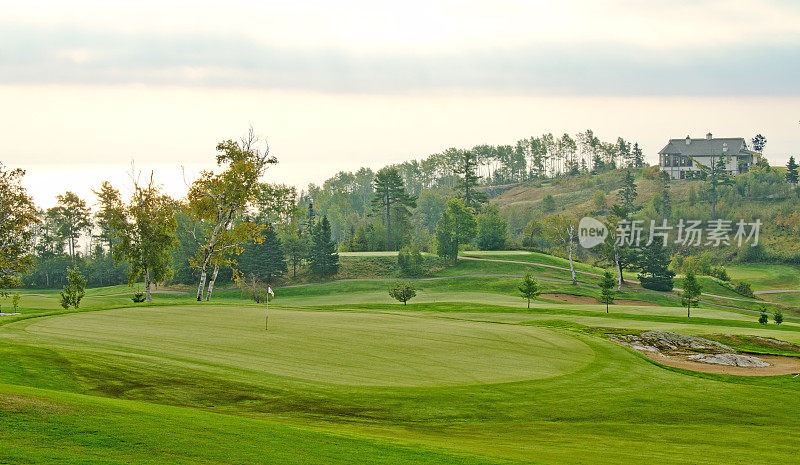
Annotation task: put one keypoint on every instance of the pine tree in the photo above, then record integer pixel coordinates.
(468, 181)
(606, 289)
(324, 261)
(652, 260)
(638, 158)
(263, 257)
(391, 199)
(627, 195)
(791, 172)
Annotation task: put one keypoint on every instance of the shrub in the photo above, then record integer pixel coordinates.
(15, 301)
(778, 317)
(744, 288)
(73, 292)
(763, 319)
(409, 260)
(720, 273)
(138, 297)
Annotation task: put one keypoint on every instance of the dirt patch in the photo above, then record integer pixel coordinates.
(589, 300)
(778, 365)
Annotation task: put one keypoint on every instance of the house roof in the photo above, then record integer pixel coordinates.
(706, 147)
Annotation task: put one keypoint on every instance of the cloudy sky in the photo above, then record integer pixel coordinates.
(88, 87)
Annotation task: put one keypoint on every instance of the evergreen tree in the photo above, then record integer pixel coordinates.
(607, 289)
(652, 260)
(468, 180)
(391, 199)
(638, 158)
(263, 257)
(324, 261)
(296, 247)
(628, 194)
(791, 172)
(691, 292)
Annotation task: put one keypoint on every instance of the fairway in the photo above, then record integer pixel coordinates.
(346, 348)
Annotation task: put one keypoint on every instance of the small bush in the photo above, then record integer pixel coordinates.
(15, 301)
(778, 317)
(720, 273)
(763, 319)
(657, 283)
(744, 288)
(138, 297)
(409, 260)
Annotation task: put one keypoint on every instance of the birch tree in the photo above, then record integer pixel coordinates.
(216, 200)
(562, 230)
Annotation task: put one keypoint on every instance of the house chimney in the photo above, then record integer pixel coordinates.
(688, 140)
(708, 136)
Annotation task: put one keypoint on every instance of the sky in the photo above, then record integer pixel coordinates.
(89, 89)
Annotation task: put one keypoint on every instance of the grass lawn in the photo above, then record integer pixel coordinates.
(463, 374)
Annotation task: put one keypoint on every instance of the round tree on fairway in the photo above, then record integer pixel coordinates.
(607, 284)
(529, 288)
(402, 292)
(691, 292)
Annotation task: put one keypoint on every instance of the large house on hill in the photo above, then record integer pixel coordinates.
(681, 158)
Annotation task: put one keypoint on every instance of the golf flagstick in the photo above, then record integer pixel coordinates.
(266, 322)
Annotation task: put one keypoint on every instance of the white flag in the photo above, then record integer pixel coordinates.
(269, 291)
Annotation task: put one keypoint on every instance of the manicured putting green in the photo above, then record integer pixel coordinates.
(345, 348)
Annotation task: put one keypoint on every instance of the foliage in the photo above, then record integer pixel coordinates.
(628, 193)
(529, 288)
(744, 288)
(217, 200)
(17, 218)
(296, 246)
(144, 234)
(778, 317)
(468, 180)
(402, 292)
(491, 229)
(691, 292)
(323, 259)
(391, 199)
(409, 260)
(763, 319)
(653, 261)
(607, 284)
(73, 217)
(15, 301)
(457, 226)
(74, 290)
(138, 297)
(792, 176)
(253, 289)
(263, 256)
